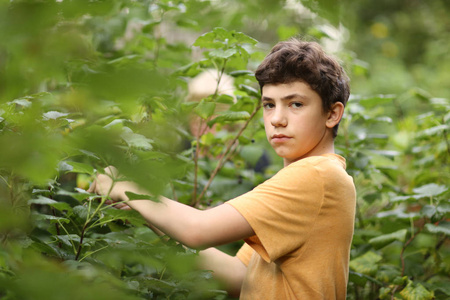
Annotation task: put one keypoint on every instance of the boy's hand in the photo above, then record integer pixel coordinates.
(105, 185)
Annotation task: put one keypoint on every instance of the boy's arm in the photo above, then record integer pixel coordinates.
(192, 227)
(227, 269)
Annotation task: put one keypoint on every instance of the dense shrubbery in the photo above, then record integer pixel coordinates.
(86, 86)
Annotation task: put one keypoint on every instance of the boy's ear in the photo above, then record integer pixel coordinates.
(335, 114)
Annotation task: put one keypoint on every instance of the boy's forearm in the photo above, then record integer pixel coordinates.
(227, 269)
(175, 219)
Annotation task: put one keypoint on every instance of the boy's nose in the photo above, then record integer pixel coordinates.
(278, 119)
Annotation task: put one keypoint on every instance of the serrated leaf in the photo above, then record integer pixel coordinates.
(81, 211)
(78, 167)
(416, 292)
(385, 239)
(443, 227)
(366, 264)
(68, 239)
(207, 40)
(220, 53)
(242, 38)
(51, 218)
(136, 140)
(205, 109)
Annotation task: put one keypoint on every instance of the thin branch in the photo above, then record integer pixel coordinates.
(225, 155)
(404, 247)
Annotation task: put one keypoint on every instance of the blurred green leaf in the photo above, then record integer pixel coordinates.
(385, 239)
(205, 109)
(366, 264)
(442, 227)
(416, 292)
(50, 202)
(431, 189)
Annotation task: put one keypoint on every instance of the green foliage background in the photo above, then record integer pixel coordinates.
(87, 84)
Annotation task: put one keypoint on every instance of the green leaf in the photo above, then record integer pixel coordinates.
(41, 200)
(136, 140)
(416, 292)
(80, 196)
(225, 99)
(366, 264)
(431, 189)
(229, 116)
(220, 53)
(376, 101)
(241, 73)
(51, 218)
(78, 167)
(53, 115)
(250, 91)
(442, 227)
(205, 109)
(242, 38)
(385, 239)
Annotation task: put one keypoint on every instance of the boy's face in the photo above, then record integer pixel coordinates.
(296, 125)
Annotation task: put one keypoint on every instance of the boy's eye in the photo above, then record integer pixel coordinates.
(268, 105)
(296, 104)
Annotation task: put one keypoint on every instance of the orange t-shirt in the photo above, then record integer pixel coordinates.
(303, 219)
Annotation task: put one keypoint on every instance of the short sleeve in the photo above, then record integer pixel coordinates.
(282, 210)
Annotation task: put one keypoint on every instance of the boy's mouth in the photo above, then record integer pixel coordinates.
(279, 138)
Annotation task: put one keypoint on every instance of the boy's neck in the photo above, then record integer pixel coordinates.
(322, 150)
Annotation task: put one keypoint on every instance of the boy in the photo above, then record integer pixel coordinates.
(298, 225)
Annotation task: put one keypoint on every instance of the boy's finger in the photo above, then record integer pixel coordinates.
(92, 187)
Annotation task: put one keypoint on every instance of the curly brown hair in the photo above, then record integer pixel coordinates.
(297, 60)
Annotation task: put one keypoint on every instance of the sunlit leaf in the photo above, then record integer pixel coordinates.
(431, 189)
(416, 292)
(442, 227)
(366, 264)
(136, 140)
(385, 239)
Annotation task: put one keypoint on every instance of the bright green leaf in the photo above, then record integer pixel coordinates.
(205, 109)
(220, 53)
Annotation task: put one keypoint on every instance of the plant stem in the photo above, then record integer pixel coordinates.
(225, 156)
(402, 259)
